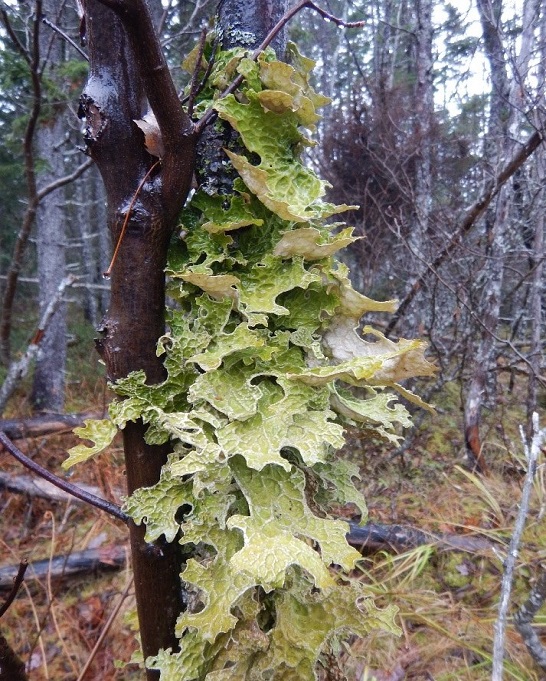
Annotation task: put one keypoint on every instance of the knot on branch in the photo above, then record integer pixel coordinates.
(96, 121)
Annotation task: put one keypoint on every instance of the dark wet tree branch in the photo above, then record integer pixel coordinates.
(17, 582)
(74, 490)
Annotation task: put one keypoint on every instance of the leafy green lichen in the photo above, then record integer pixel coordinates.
(261, 356)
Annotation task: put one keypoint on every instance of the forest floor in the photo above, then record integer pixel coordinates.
(447, 599)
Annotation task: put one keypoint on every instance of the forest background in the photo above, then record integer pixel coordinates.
(435, 131)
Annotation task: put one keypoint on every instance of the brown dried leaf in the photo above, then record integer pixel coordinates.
(152, 134)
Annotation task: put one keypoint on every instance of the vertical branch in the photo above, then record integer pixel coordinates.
(124, 51)
(537, 289)
(504, 120)
(31, 55)
(532, 450)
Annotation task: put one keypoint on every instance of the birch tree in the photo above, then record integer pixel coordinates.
(501, 142)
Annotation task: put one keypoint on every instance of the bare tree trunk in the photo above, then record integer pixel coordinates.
(89, 236)
(503, 128)
(49, 374)
(423, 119)
(537, 288)
(537, 283)
(90, 216)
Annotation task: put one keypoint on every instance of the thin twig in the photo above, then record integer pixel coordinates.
(18, 580)
(106, 629)
(74, 490)
(479, 321)
(62, 181)
(14, 38)
(194, 86)
(19, 369)
(532, 451)
(210, 115)
(126, 221)
(66, 37)
(210, 66)
(292, 13)
(470, 219)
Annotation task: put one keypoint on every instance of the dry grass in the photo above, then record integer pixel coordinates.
(447, 599)
(54, 624)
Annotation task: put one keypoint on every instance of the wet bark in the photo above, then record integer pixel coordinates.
(126, 69)
(246, 23)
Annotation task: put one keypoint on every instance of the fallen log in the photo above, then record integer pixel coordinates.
(76, 563)
(377, 536)
(373, 536)
(44, 424)
(74, 490)
(38, 487)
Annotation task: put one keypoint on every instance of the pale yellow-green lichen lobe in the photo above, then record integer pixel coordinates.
(261, 355)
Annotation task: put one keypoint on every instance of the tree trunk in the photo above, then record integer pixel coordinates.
(245, 23)
(88, 233)
(126, 66)
(500, 145)
(424, 112)
(537, 259)
(49, 374)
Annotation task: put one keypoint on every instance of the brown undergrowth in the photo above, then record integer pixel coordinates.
(447, 599)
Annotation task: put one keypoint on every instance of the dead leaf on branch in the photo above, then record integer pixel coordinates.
(152, 134)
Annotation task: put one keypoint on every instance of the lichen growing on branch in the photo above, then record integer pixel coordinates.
(262, 357)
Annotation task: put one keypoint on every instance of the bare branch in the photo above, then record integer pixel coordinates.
(65, 37)
(292, 13)
(62, 181)
(195, 85)
(210, 115)
(87, 561)
(472, 215)
(18, 370)
(23, 565)
(173, 122)
(14, 38)
(532, 451)
(44, 424)
(74, 490)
